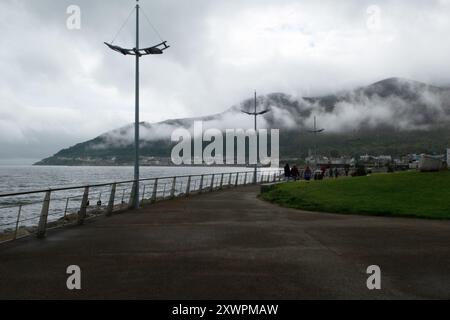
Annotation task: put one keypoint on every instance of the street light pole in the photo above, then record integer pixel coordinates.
(138, 52)
(316, 131)
(256, 114)
(255, 179)
(136, 123)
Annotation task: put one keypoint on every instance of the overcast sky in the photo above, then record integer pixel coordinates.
(59, 86)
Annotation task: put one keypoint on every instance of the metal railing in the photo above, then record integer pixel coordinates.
(35, 212)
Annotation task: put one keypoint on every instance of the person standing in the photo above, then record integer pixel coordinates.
(287, 171)
(295, 173)
(308, 174)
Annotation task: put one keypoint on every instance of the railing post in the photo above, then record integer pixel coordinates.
(65, 209)
(17, 222)
(143, 194)
(188, 187)
(229, 180)
(245, 181)
(237, 180)
(155, 191)
(172, 190)
(42, 227)
(201, 183)
(99, 202)
(221, 182)
(123, 199)
(211, 188)
(132, 195)
(83, 208)
(112, 197)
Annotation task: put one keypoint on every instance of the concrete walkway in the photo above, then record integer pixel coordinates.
(231, 245)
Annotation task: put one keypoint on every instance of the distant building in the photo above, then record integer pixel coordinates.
(326, 161)
(448, 158)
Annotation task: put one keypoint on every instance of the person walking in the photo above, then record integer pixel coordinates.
(287, 171)
(308, 174)
(295, 173)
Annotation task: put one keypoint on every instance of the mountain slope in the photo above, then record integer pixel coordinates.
(394, 116)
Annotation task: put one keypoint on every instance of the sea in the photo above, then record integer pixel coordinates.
(23, 178)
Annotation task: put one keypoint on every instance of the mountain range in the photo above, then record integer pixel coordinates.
(394, 116)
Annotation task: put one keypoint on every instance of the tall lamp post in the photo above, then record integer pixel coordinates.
(138, 52)
(256, 114)
(315, 131)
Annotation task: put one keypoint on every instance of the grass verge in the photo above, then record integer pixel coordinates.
(406, 194)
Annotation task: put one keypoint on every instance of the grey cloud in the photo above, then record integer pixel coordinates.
(61, 83)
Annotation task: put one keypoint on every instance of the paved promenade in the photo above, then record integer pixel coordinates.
(231, 245)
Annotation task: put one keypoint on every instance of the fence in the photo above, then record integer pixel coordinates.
(35, 212)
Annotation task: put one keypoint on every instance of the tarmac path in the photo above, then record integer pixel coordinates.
(231, 245)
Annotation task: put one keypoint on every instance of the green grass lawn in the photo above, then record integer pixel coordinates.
(406, 194)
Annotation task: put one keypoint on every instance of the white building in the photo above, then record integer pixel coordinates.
(448, 158)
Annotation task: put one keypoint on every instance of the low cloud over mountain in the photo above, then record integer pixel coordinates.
(391, 105)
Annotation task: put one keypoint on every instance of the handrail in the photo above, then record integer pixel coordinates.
(161, 186)
(2, 195)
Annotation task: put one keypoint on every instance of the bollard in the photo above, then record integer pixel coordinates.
(83, 208)
(172, 190)
(188, 187)
(155, 191)
(112, 196)
(42, 227)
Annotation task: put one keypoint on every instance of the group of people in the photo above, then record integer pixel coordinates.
(294, 173)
